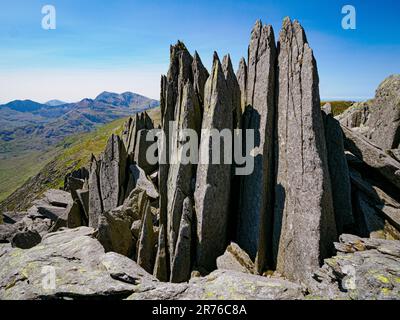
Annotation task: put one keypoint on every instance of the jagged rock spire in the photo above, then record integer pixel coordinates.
(242, 80)
(254, 230)
(213, 180)
(304, 219)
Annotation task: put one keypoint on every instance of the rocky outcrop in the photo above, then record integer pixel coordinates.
(305, 225)
(364, 269)
(313, 179)
(224, 285)
(213, 180)
(115, 232)
(373, 156)
(254, 227)
(378, 119)
(80, 267)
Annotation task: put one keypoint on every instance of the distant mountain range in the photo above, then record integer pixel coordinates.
(28, 125)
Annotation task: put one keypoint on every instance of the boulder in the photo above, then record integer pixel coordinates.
(115, 232)
(74, 216)
(26, 239)
(364, 269)
(80, 267)
(378, 119)
(235, 259)
(224, 285)
(57, 198)
(182, 256)
(304, 227)
(254, 227)
(213, 180)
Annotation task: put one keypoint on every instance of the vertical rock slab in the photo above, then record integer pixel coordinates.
(339, 174)
(181, 175)
(112, 173)
(95, 200)
(160, 265)
(200, 76)
(241, 76)
(181, 262)
(233, 90)
(305, 226)
(254, 231)
(213, 180)
(171, 85)
(146, 246)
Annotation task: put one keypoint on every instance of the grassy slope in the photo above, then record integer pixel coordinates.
(338, 107)
(27, 177)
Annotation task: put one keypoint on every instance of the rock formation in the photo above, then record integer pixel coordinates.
(129, 228)
(213, 180)
(378, 119)
(254, 231)
(305, 227)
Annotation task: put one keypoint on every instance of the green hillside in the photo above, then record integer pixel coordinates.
(338, 107)
(24, 179)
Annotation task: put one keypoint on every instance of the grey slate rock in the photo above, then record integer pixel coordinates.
(305, 227)
(235, 259)
(95, 198)
(112, 173)
(339, 173)
(188, 116)
(115, 232)
(373, 156)
(26, 239)
(147, 243)
(254, 230)
(212, 193)
(241, 76)
(160, 265)
(224, 285)
(83, 270)
(364, 269)
(182, 256)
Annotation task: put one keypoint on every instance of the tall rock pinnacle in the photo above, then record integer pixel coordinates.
(304, 216)
(213, 180)
(256, 209)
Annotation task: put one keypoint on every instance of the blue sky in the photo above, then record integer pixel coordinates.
(123, 45)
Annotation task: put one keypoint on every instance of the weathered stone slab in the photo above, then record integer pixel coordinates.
(305, 227)
(213, 180)
(254, 231)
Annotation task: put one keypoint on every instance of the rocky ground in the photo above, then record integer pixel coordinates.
(319, 217)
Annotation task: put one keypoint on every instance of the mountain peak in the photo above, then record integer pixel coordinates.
(55, 103)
